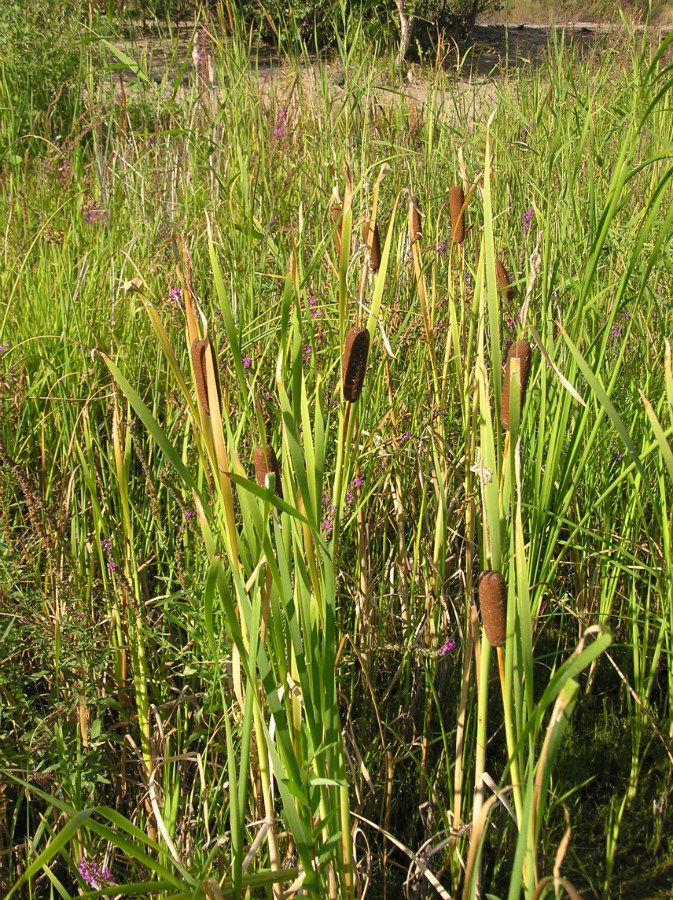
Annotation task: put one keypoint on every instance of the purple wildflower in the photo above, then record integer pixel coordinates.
(92, 873)
(442, 247)
(189, 514)
(349, 496)
(527, 218)
(92, 215)
(3, 349)
(106, 545)
(112, 565)
(308, 350)
(615, 331)
(404, 437)
(175, 295)
(326, 527)
(247, 362)
(448, 647)
(619, 456)
(277, 132)
(358, 482)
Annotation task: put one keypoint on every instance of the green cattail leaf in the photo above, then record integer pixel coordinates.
(604, 401)
(153, 427)
(664, 446)
(127, 61)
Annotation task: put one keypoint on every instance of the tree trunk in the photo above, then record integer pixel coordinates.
(407, 24)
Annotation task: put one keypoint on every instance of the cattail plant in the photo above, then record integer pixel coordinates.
(266, 463)
(503, 281)
(336, 216)
(200, 377)
(456, 203)
(415, 230)
(374, 247)
(200, 350)
(521, 351)
(354, 363)
(493, 604)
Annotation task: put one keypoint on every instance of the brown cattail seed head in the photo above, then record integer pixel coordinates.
(375, 249)
(415, 230)
(519, 350)
(503, 281)
(354, 362)
(336, 216)
(199, 349)
(456, 201)
(493, 605)
(266, 462)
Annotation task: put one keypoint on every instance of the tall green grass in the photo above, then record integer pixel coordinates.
(209, 689)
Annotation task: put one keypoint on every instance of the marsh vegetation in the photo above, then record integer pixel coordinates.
(289, 355)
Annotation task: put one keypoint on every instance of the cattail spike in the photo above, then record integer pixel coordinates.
(415, 229)
(199, 348)
(456, 202)
(266, 462)
(502, 279)
(336, 216)
(519, 350)
(493, 605)
(374, 248)
(354, 363)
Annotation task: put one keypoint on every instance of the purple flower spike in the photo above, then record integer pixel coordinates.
(247, 362)
(448, 647)
(527, 218)
(92, 874)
